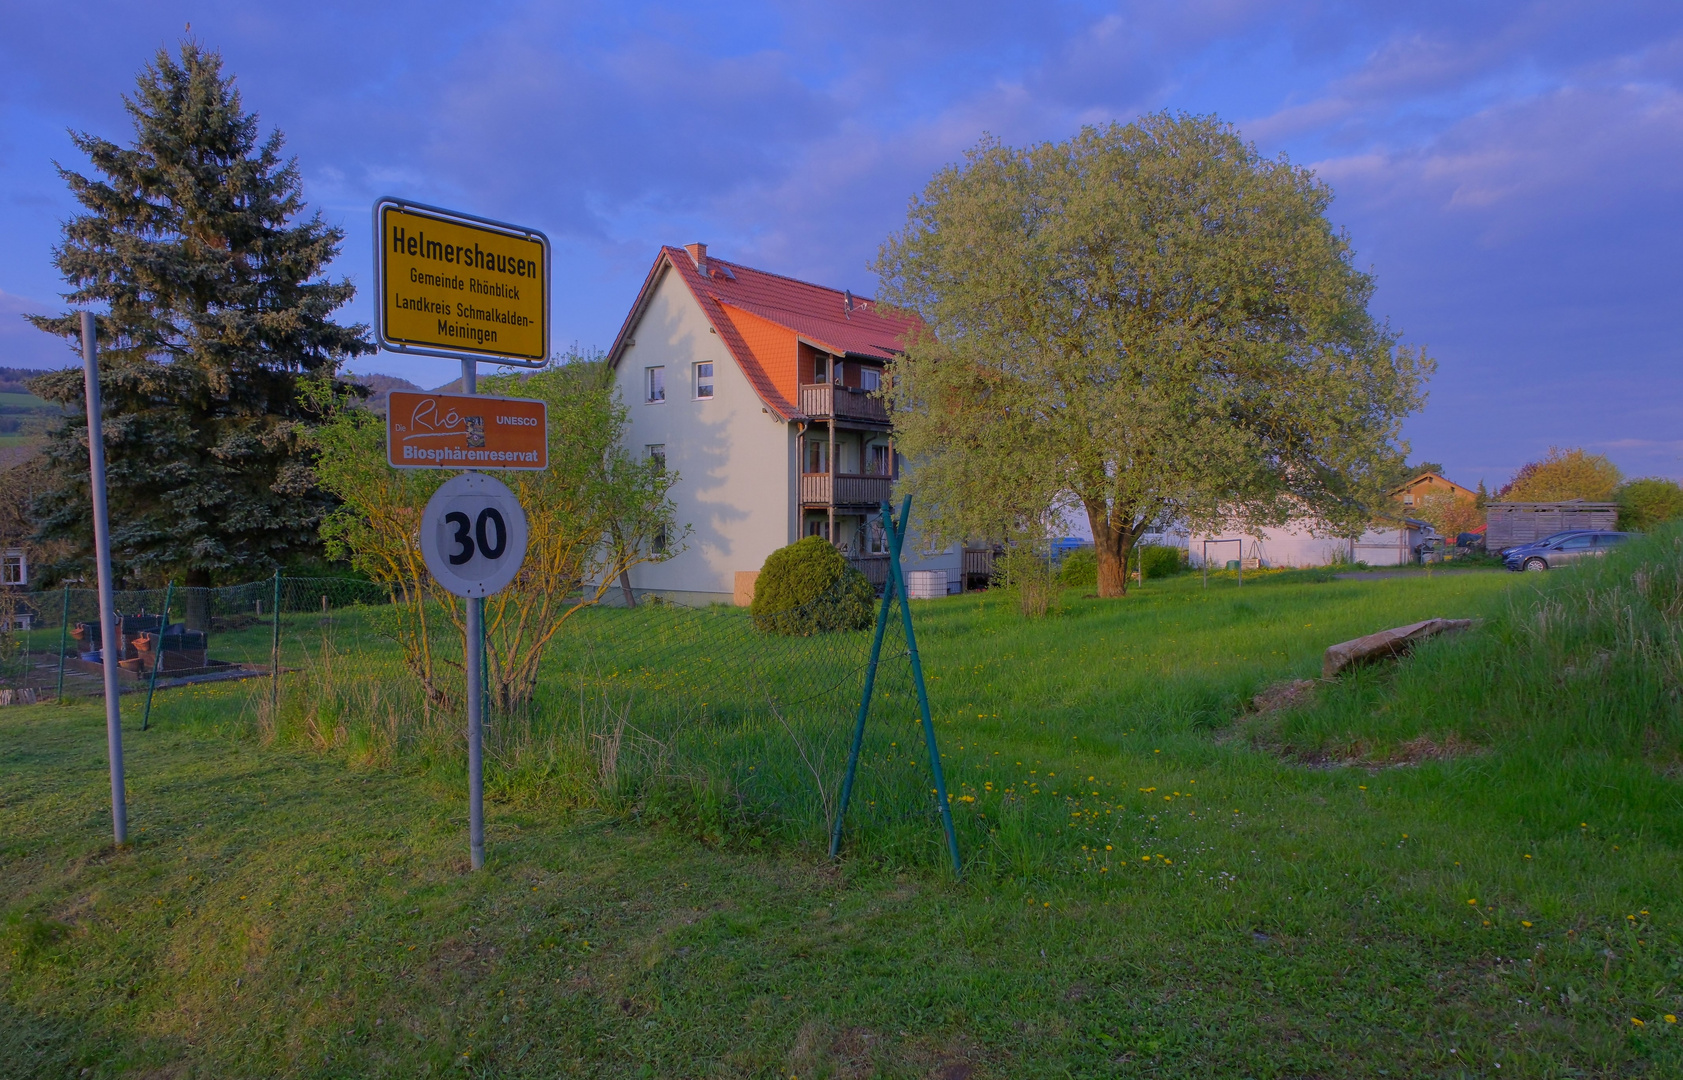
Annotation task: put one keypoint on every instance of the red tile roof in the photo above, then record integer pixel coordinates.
(803, 311)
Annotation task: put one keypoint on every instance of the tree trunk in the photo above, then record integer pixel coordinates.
(1112, 545)
(198, 599)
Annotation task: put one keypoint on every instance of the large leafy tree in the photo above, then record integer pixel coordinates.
(1148, 321)
(1562, 475)
(195, 244)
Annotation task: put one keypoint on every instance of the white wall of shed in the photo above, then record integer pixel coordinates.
(1297, 546)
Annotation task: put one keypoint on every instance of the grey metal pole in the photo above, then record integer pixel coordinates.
(475, 661)
(102, 560)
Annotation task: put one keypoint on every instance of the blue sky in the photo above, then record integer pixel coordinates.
(1510, 172)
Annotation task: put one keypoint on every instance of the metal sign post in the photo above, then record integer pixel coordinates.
(469, 288)
(102, 560)
(473, 539)
(474, 662)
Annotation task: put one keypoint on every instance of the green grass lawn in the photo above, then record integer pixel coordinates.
(1157, 883)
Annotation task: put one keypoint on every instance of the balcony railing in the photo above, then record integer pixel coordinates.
(851, 489)
(978, 562)
(874, 567)
(825, 401)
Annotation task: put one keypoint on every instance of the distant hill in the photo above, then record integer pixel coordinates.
(380, 388)
(15, 380)
(24, 418)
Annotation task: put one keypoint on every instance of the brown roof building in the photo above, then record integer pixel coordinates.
(1429, 483)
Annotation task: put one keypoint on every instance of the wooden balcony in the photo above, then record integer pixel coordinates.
(851, 489)
(825, 401)
(874, 567)
(978, 562)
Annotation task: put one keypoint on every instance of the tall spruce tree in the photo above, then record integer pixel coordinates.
(195, 244)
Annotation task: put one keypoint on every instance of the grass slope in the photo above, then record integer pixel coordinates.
(1155, 897)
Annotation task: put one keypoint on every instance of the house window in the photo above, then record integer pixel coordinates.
(658, 544)
(704, 380)
(870, 378)
(815, 526)
(12, 570)
(820, 368)
(1408, 500)
(817, 456)
(876, 538)
(657, 454)
(880, 460)
(655, 388)
(836, 370)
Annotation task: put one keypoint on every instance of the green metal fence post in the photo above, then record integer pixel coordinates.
(895, 569)
(158, 658)
(865, 697)
(63, 642)
(274, 655)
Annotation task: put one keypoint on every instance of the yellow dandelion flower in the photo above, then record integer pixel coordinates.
(1637, 1022)
(1525, 924)
(1473, 902)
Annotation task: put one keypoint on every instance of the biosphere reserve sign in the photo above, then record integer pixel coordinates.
(465, 431)
(456, 285)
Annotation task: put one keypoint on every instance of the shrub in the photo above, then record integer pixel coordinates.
(1158, 561)
(1648, 502)
(1028, 575)
(1080, 569)
(808, 588)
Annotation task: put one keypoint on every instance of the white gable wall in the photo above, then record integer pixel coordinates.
(734, 459)
(1295, 546)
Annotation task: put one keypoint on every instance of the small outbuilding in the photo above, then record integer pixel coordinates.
(1385, 542)
(1514, 523)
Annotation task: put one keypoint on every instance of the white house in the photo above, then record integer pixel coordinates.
(14, 567)
(14, 573)
(1384, 543)
(755, 389)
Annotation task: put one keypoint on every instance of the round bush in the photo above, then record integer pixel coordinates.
(1160, 561)
(1080, 569)
(809, 588)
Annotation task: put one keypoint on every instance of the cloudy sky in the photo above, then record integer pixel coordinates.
(1510, 172)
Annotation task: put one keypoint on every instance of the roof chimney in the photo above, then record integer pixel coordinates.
(698, 255)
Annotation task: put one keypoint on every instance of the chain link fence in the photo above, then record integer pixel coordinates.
(656, 708)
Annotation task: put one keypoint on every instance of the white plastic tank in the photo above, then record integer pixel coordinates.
(926, 584)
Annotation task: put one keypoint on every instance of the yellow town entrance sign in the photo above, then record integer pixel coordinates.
(456, 285)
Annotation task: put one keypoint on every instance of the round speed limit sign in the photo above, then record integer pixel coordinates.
(473, 535)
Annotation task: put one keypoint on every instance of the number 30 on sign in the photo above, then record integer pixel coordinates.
(473, 535)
